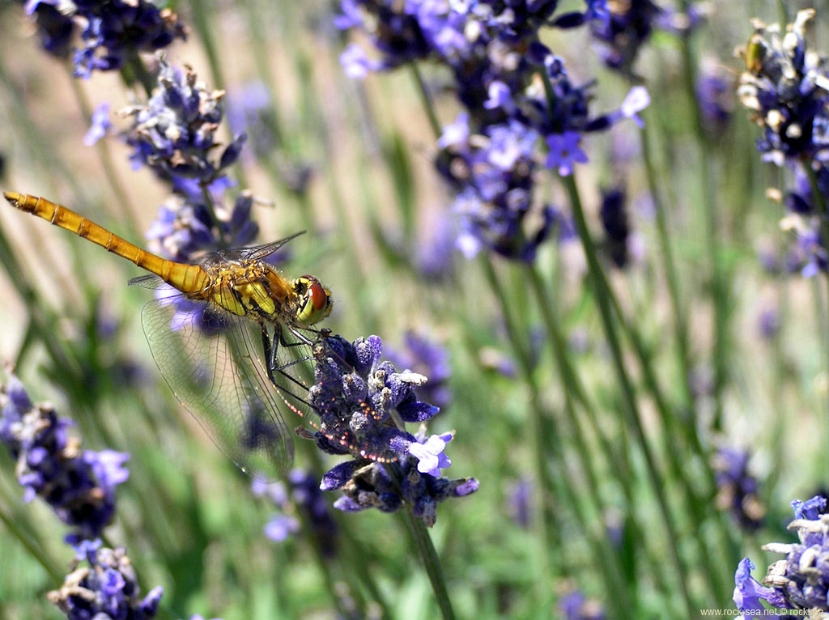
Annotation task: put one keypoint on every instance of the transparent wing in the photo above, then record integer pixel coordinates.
(213, 364)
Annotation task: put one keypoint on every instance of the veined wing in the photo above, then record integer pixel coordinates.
(213, 364)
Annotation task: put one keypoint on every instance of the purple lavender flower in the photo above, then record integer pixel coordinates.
(801, 581)
(786, 92)
(786, 89)
(105, 589)
(78, 484)
(175, 133)
(519, 502)
(300, 496)
(55, 29)
(564, 151)
(737, 488)
(427, 358)
(715, 97)
(188, 225)
(623, 34)
(769, 323)
(360, 401)
(809, 254)
(575, 606)
(490, 154)
(112, 32)
(99, 126)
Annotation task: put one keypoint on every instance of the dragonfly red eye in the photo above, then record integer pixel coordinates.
(317, 303)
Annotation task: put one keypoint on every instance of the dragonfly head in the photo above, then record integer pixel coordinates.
(315, 300)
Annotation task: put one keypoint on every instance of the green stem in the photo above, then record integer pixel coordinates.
(665, 245)
(719, 283)
(537, 437)
(105, 155)
(573, 388)
(631, 410)
(426, 99)
(431, 562)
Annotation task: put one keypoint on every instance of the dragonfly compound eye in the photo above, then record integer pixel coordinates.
(316, 301)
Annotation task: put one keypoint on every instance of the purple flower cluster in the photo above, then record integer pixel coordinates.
(363, 404)
(105, 589)
(737, 488)
(626, 29)
(801, 581)
(112, 32)
(189, 224)
(429, 359)
(517, 97)
(78, 484)
(175, 133)
(786, 88)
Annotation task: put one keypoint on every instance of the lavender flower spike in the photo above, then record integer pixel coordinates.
(798, 582)
(106, 589)
(363, 404)
(78, 484)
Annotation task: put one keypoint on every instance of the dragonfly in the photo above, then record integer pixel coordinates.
(215, 331)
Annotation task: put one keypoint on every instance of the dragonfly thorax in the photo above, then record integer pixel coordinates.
(255, 289)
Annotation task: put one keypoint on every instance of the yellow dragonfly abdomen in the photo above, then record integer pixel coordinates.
(189, 279)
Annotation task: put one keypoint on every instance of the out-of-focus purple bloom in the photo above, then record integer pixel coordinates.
(250, 112)
(359, 398)
(106, 588)
(111, 31)
(715, 97)
(622, 36)
(769, 323)
(427, 358)
(574, 606)
(78, 484)
(492, 174)
(809, 254)
(187, 227)
(99, 126)
(799, 582)
(54, 28)
(737, 488)
(519, 502)
(300, 496)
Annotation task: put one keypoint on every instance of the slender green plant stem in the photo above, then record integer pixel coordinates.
(127, 209)
(426, 99)
(535, 430)
(34, 550)
(719, 282)
(680, 316)
(631, 409)
(431, 562)
(573, 388)
(819, 201)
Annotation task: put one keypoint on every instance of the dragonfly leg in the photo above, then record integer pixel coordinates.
(271, 347)
(270, 353)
